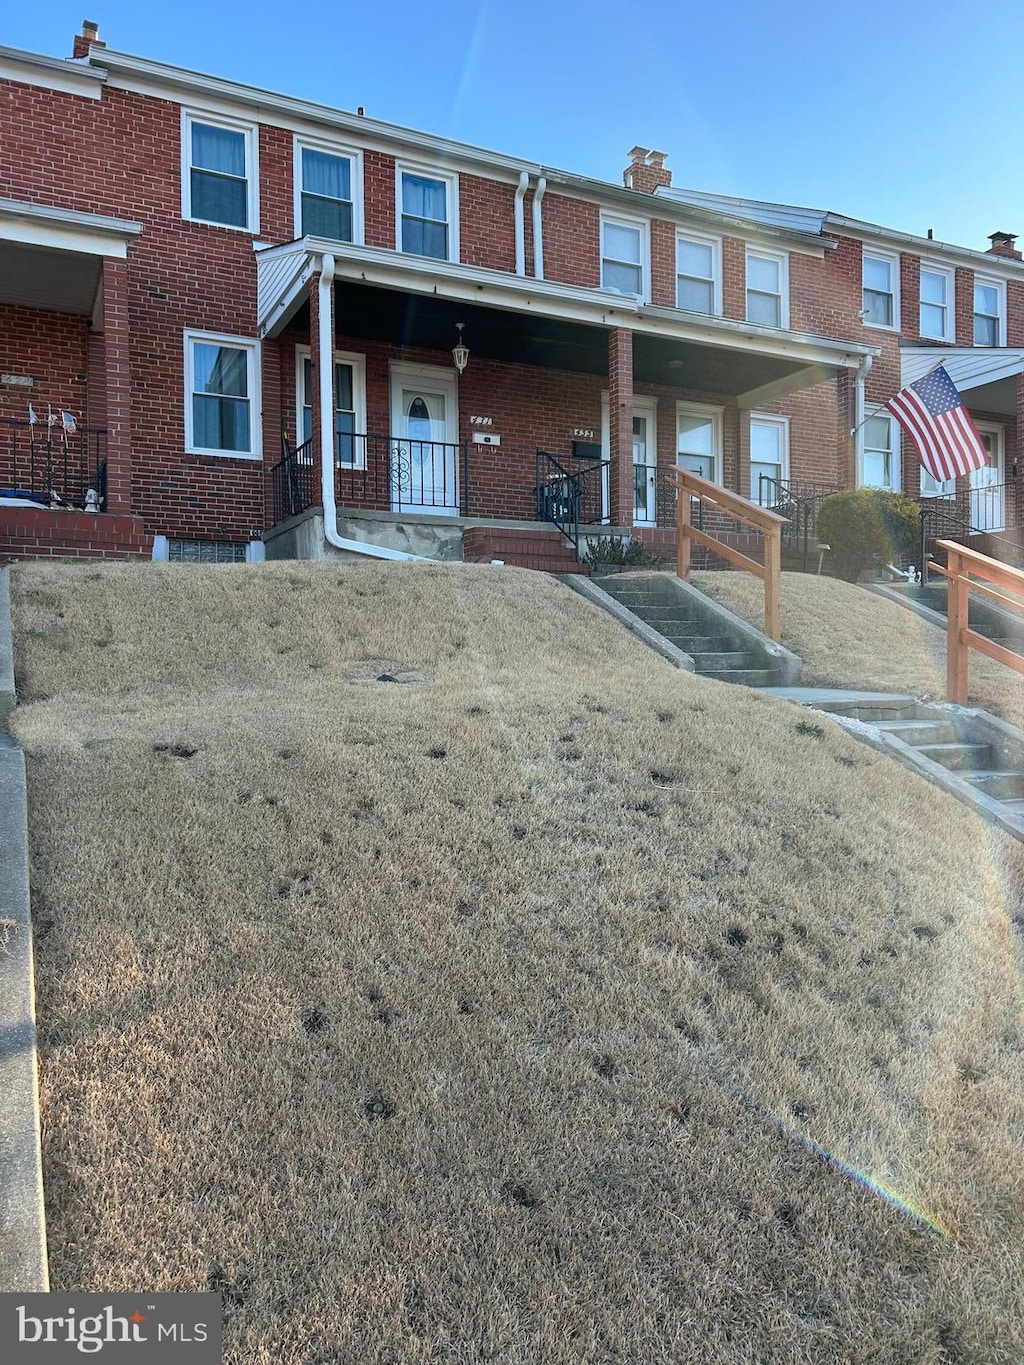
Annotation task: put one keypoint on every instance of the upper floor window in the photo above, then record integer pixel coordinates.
(767, 288)
(698, 274)
(937, 318)
(427, 210)
(327, 199)
(219, 175)
(989, 312)
(624, 254)
(880, 306)
(221, 384)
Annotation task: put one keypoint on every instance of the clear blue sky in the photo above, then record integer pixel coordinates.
(907, 114)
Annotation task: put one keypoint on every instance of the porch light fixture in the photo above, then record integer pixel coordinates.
(460, 351)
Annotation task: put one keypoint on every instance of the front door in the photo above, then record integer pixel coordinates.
(424, 469)
(988, 484)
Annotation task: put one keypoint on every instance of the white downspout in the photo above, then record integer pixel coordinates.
(858, 419)
(325, 360)
(538, 228)
(520, 222)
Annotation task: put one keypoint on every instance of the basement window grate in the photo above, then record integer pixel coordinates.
(206, 551)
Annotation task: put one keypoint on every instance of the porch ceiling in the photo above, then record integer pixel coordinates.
(40, 277)
(428, 322)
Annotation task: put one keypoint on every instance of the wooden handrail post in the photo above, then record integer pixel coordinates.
(956, 630)
(772, 582)
(683, 533)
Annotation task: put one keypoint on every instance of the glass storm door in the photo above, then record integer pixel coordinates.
(424, 464)
(645, 468)
(988, 484)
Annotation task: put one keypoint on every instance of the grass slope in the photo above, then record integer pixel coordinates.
(502, 1012)
(849, 637)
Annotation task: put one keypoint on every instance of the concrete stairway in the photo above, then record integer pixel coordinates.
(720, 646)
(977, 757)
(1002, 627)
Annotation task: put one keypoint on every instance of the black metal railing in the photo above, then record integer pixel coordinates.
(800, 502)
(382, 473)
(570, 493)
(968, 513)
(54, 466)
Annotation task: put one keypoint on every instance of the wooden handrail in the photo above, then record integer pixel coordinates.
(770, 525)
(962, 563)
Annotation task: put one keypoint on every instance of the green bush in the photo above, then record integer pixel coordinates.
(867, 526)
(621, 552)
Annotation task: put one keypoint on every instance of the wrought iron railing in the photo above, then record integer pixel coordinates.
(799, 501)
(382, 473)
(968, 514)
(571, 493)
(52, 465)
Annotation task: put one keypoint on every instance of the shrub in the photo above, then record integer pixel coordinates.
(620, 552)
(865, 526)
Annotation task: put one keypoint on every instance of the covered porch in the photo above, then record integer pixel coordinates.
(559, 383)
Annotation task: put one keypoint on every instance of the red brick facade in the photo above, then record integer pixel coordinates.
(120, 155)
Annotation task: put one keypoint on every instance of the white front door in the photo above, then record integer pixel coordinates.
(645, 458)
(424, 452)
(988, 484)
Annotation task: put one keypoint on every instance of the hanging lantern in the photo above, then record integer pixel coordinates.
(460, 351)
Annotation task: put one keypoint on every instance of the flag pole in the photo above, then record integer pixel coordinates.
(882, 406)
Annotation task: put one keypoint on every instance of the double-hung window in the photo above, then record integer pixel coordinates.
(221, 408)
(881, 453)
(880, 298)
(699, 440)
(219, 172)
(989, 312)
(349, 406)
(767, 288)
(327, 200)
(698, 274)
(624, 254)
(769, 458)
(937, 303)
(427, 214)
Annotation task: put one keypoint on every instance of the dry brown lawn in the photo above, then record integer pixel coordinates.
(546, 1005)
(849, 637)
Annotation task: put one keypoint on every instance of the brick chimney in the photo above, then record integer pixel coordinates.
(646, 170)
(1002, 245)
(89, 37)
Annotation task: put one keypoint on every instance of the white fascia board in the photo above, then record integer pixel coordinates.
(65, 229)
(983, 261)
(969, 367)
(747, 336)
(71, 76)
(140, 76)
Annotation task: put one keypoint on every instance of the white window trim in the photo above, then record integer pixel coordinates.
(251, 346)
(896, 450)
(949, 274)
(893, 261)
(354, 156)
(643, 406)
(783, 258)
(990, 282)
(628, 221)
(451, 179)
(717, 415)
(358, 363)
(252, 166)
(771, 419)
(715, 243)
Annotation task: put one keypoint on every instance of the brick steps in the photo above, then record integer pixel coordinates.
(40, 533)
(544, 551)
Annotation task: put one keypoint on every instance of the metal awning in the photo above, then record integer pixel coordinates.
(985, 375)
(384, 296)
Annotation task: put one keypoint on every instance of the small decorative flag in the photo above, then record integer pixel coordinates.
(68, 423)
(50, 417)
(32, 418)
(932, 414)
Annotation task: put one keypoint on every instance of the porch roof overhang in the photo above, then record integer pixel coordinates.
(53, 258)
(513, 317)
(985, 375)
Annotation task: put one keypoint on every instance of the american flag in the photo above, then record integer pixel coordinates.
(930, 411)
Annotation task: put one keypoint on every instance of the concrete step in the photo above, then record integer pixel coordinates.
(703, 644)
(921, 731)
(873, 714)
(959, 757)
(1002, 785)
(746, 677)
(709, 662)
(1015, 805)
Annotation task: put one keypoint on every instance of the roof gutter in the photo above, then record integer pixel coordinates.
(325, 360)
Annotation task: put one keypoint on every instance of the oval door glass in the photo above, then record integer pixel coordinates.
(424, 476)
